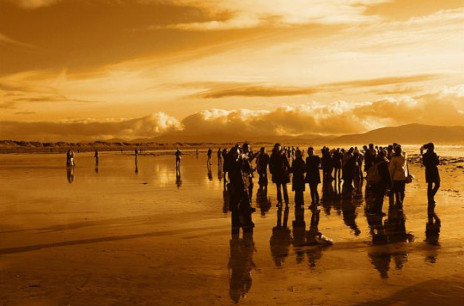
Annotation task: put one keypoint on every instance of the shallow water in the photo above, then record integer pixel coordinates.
(120, 234)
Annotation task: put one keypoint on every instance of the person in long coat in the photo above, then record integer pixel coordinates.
(313, 176)
(280, 168)
(298, 179)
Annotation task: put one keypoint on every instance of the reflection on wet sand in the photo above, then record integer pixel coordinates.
(432, 235)
(70, 174)
(240, 265)
(280, 239)
(389, 240)
(263, 201)
(178, 178)
(310, 243)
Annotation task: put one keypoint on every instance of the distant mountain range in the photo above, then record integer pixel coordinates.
(405, 134)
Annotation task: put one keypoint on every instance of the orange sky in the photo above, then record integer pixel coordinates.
(129, 69)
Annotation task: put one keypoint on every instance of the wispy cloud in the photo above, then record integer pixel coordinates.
(224, 90)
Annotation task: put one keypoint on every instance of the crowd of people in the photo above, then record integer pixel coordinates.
(385, 169)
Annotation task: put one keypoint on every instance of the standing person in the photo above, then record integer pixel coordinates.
(369, 156)
(298, 180)
(430, 160)
(219, 157)
(379, 178)
(262, 163)
(327, 164)
(178, 156)
(399, 174)
(209, 154)
(313, 176)
(349, 164)
(96, 157)
(279, 168)
(337, 164)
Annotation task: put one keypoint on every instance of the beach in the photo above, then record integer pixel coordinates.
(127, 234)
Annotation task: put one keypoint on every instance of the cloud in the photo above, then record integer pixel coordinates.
(76, 130)
(259, 13)
(224, 90)
(7, 41)
(34, 4)
(442, 107)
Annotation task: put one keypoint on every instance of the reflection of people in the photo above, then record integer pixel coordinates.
(178, 178)
(280, 239)
(299, 233)
(209, 154)
(70, 174)
(379, 257)
(240, 266)
(262, 200)
(430, 160)
(316, 239)
(432, 235)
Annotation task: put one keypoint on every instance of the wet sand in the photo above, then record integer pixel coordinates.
(114, 236)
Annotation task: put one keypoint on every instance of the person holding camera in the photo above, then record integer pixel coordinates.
(430, 161)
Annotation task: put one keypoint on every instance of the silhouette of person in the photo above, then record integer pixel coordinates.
(298, 178)
(262, 163)
(240, 266)
(349, 212)
(349, 164)
(279, 168)
(281, 239)
(209, 154)
(239, 169)
(178, 157)
(395, 228)
(96, 158)
(431, 161)
(70, 158)
(380, 180)
(219, 157)
(398, 168)
(313, 177)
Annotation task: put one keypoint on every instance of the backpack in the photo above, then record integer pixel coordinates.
(373, 176)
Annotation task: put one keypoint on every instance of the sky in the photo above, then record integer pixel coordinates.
(77, 70)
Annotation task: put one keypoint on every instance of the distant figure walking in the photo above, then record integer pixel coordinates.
(178, 156)
(313, 176)
(431, 161)
(70, 158)
(279, 167)
(298, 179)
(399, 174)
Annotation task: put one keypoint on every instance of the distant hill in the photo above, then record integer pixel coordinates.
(407, 134)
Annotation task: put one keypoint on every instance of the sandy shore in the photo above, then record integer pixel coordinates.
(114, 236)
